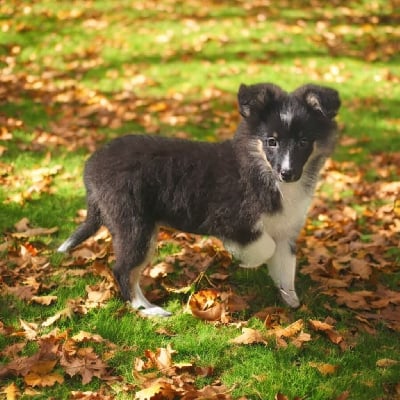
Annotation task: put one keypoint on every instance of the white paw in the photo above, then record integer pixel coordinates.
(290, 298)
(154, 311)
(65, 246)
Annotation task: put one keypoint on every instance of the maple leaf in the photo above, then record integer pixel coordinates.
(85, 363)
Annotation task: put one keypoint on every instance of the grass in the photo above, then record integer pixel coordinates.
(175, 67)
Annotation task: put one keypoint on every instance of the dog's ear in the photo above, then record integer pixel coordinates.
(254, 98)
(320, 99)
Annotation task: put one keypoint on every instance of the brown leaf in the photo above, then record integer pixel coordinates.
(30, 329)
(33, 379)
(66, 312)
(324, 369)
(288, 331)
(11, 391)
(249, 336)
(206, 305)
(361, 268)
(44, 300)
(157, 391)
(343, 396)
(34, 232)
(386, 363)
(301, 339)
(328, 329)
(85, 363)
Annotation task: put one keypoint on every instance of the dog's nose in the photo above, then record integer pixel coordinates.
(287, 175)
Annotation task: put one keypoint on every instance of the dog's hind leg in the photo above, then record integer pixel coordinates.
(134, 246)
(282, 269)
(91, 225)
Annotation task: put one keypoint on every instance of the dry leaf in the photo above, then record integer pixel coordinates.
(11, 391)
(249, 336)
(33, 379)
(30, 329)
(44, 300)
(328, 329)
(206, 305)
(324, 369)
(157, 391)
(386, 363)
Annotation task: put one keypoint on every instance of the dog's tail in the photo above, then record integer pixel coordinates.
(84, 231)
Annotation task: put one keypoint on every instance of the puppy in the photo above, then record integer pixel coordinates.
(252, 191)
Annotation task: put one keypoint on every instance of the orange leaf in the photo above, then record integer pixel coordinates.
(11, 391)
(159, 390)
(205, 305)
(33, 379)
(324, 369)
(288, 331)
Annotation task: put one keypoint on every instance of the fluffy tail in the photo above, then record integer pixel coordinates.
(84, 231)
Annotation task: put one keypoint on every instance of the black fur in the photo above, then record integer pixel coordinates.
(136, 183)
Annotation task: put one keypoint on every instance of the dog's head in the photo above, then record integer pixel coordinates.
(289, 126)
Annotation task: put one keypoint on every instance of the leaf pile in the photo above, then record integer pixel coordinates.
(58, 354)
(350, 248)
(162, 378)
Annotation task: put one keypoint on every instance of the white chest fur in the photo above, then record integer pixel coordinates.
(281, 227)
(295, 203)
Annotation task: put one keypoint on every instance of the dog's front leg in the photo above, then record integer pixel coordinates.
(255, 253)
(282, 269)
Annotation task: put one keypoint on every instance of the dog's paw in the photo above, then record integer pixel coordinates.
(154, 311)
(290, 298)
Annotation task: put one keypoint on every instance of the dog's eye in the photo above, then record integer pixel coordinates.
(303, 142)
(272, 142)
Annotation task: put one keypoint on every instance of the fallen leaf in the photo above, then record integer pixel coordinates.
(386, 363)
(249, 336)
(158, 390)
(11, 391)
(33, 379)
(44, 300)
(328, 329)
(206, 305)
(30, 329)
(324, 369)
(34, 232)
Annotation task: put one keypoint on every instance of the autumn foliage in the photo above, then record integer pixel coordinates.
(63, 93)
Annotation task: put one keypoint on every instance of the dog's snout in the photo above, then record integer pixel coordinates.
(287, 175)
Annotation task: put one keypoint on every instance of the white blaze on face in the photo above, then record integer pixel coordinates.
(286, 162)
(287, 116)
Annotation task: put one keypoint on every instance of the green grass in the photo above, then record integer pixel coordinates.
(176, 67)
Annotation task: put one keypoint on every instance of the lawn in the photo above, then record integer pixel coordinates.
(76, 74)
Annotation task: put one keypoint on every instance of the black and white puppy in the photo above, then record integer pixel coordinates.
(252, 191)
